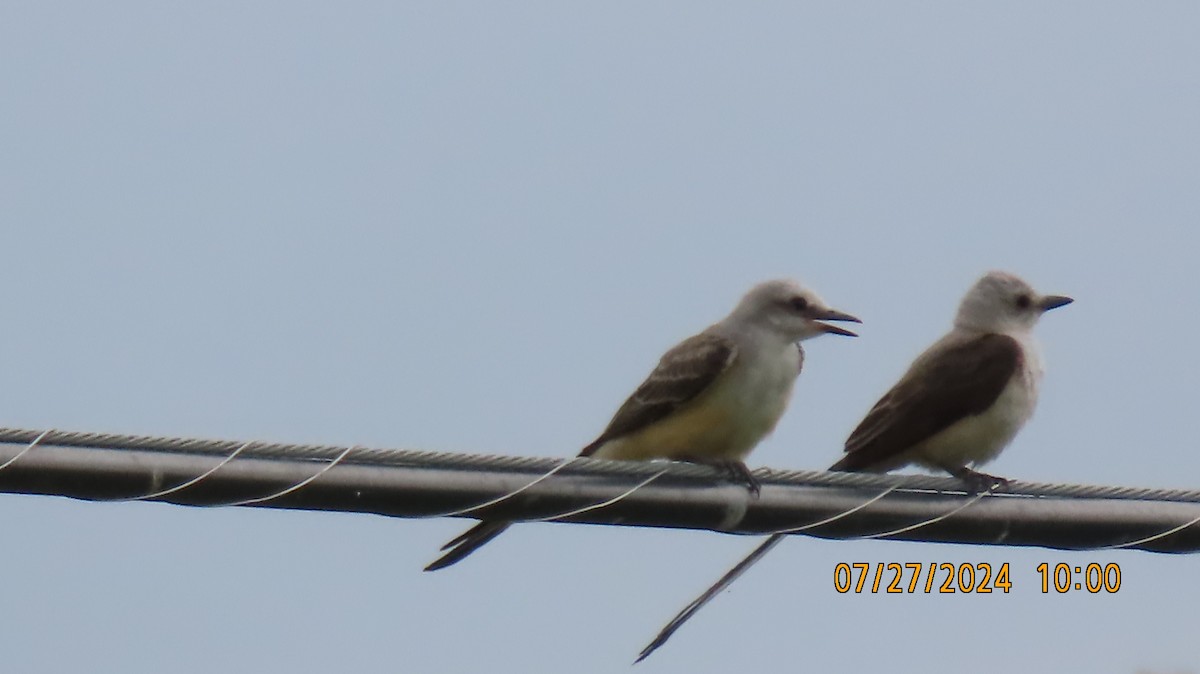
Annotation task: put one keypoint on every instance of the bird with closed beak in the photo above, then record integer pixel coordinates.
(962, 401)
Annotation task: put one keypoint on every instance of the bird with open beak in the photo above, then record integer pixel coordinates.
(712, 398)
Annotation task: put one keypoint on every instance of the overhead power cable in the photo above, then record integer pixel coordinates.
(406, 483)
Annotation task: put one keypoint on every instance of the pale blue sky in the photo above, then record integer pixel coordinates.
(474, 227)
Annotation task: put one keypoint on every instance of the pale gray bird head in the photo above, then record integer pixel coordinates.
(1002, 303)
(788, 308)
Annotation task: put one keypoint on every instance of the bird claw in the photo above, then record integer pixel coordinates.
(978, 483)
(739, 473)
(735, 471)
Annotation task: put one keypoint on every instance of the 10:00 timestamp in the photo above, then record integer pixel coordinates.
(1094, 577)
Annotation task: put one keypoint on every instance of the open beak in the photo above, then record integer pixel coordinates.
(1049, 302)
(833, 315)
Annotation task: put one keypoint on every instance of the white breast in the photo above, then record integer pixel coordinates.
(977, 440)
(757, 397)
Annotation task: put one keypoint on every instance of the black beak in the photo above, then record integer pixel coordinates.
(833, 315)
(1049, 302)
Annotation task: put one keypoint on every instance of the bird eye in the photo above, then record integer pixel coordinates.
(799, 303)
(1024, 301)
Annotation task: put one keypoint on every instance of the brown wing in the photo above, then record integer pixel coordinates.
(944, 385)
(681, 375)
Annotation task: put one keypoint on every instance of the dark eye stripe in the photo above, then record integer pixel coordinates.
(1023, 301)
(799, 303)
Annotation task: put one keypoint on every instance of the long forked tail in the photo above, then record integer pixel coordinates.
(467, 542)
(711, 592)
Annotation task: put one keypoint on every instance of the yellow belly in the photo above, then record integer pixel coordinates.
(701, 432)
(713, 427)
(725, 422)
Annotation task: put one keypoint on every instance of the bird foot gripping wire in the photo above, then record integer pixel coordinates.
(977, 482)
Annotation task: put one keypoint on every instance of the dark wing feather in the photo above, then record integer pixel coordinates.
(467, 542)
(682, 374)
(943, 386)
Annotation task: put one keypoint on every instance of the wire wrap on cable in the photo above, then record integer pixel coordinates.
(406, 483)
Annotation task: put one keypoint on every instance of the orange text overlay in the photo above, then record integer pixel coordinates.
(967, 578)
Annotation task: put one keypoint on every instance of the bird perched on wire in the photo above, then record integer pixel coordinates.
(963, 400)
(960, 403)
(712, 397)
